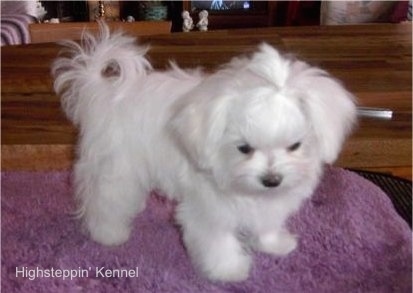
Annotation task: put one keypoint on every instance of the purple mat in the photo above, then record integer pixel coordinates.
(351, 240)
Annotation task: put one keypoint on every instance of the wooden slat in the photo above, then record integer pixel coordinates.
(44, 157)
(53, 32)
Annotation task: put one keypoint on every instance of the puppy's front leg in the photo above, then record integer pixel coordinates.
(277, 242)
(270, 234)
(214, 250)
(219, 256)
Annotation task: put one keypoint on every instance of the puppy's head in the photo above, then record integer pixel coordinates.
(264, 123)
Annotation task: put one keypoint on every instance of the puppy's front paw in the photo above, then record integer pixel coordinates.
(281, 243)
(233, 267)
(221, 258)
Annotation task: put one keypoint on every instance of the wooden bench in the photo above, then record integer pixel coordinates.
(53, 32)
(373, 61)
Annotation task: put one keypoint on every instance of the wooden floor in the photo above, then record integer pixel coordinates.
(374, 62)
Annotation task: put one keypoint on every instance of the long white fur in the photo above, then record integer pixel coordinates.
(179, 131)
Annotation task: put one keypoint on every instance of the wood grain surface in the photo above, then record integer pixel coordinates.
(373, 61)
(52, 32)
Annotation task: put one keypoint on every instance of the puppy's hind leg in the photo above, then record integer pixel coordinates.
(110, 196)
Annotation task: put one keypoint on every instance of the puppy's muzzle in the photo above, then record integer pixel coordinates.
(271, 180)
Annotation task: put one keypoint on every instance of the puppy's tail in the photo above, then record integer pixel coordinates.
(101, 68)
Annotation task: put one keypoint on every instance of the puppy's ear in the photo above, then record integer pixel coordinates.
(198, 123)
(329, 106)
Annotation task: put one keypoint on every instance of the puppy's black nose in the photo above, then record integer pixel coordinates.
(271, 180)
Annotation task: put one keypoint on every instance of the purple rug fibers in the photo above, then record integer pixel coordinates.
(351, 240)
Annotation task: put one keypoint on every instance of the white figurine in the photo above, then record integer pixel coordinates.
(130, 18)
(188, 23)
(202, 24)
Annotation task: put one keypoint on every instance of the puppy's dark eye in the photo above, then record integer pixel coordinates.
(245, 149)
(294, 147)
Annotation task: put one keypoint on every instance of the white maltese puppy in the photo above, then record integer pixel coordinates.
(239, 149)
